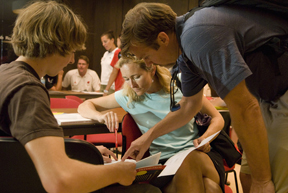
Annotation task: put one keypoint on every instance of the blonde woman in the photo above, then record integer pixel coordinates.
(146, 96)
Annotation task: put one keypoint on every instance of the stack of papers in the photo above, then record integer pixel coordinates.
(72, 119)
(148, 161)
(147, 168)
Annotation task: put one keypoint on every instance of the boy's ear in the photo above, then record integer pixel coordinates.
(163, 38)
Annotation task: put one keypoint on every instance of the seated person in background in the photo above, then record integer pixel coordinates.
(25, 108)
(54, 82)
(115, 75)
(82, 78)
(146, 96)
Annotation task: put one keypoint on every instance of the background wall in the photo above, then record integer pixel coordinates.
(99, 16)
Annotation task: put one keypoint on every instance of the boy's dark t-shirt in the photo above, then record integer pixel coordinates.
(50, 81)
(24, 104)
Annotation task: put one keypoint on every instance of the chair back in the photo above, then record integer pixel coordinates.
(76, 98)
(130, 132)
(63, 103)
(18, 173)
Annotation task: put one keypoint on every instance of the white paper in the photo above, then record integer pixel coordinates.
(174, 162)
(148, 161)
(72, 119)
(119, 160)
(86, 92)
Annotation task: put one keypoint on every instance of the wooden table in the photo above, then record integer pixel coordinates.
(85, 95)
(94, 128)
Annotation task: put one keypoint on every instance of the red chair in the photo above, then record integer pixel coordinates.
(108, 140)
(130, 132)
(74, 98)
(63, 103)
(105, 139)
(229, 170)
(228, 189)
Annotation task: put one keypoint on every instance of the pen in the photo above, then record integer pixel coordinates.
(116, 139)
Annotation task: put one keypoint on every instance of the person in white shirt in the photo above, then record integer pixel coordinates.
(82, 78)
(108, 42)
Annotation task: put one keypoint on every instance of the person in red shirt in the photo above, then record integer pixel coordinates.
(116, 75)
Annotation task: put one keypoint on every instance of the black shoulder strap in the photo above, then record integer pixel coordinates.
(279, 7)
(175, 71)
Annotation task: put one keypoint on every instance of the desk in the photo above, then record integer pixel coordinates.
(87, 129)
(63, 93)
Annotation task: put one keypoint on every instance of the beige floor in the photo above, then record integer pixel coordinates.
(232, 180)
(237, 169)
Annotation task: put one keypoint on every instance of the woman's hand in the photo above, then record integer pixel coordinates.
(205, 148)
(110, 119)
(105, 153)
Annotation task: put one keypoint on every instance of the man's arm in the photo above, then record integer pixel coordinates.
(249, 126)
(59, 173)
(189, 107)
(96, 82)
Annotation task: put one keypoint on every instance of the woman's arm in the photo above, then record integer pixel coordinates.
(217, 121)
(112, 79)
(58, 85)
(93, 108)
(216, 124)
(114, 72)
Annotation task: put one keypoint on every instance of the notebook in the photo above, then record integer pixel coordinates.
(72, 119)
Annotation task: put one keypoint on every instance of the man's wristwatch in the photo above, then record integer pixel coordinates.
(105, 91)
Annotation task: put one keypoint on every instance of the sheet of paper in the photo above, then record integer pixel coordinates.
(119, 160)
(100, 93)
(148, 161)
(174, 162)
(72, 119)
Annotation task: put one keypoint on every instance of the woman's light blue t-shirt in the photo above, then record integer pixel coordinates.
(150, 111)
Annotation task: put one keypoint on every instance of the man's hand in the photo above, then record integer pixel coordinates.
(105, 153)
(138, 148)
(262, 187)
